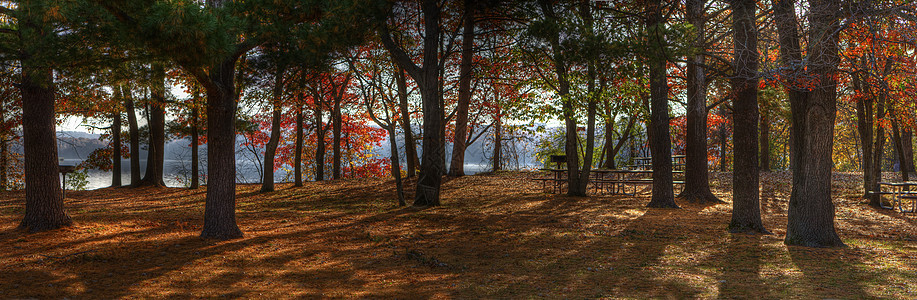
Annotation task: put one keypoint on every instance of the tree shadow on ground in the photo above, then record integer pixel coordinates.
(743, 259)
(830, 273)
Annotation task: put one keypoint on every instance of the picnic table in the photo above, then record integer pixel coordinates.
(903, 198)
(601, 180)
(646, 163)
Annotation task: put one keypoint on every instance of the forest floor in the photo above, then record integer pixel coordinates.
(496, 236)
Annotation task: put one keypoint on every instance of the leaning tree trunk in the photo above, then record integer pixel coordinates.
(297, 157)
(220, 206)
(410, 147)
(396, 164)
(746, 207)
(267, 183)
(156, 151)
(134, 135)
(44, 203)
(457, 165)
(697, 183)
(660, 139)
(810, 216)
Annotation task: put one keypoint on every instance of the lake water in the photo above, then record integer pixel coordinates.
(247, 173)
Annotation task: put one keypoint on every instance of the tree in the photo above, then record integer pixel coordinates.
(697, 184)
(267, 183)
(427, 78)
(810, 216)
(208, 41)
(36, 53)
(457, 164)
(157, 125)
(746, 208)
(658, 131)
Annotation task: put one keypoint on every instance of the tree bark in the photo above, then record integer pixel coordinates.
(396, 164)
(864, 127)
(810, 216)
(116, 149)
(697, 184)
(660, 139)
(267, 183)
(336, 130)
(457, 165)
(4, 152)
(195, 148)
(297, 157)
(722, 137)
(433, 160)
(320, 144)
(899, 149)
(44, 203)
(410, 146)
(116, 143)
(134, 132)
(220, 206)
(157, 124)
(907, 138)
(746, 207)
(498, 140)
(764, 141)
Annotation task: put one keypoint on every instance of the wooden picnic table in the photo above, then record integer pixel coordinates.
(901, 192)
(604, 180)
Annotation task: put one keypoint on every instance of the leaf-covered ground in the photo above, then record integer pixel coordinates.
(497, 236)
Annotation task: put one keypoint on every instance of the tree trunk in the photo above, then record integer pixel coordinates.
(609, 157)
(396, 164)
(4, 153)
(864, 127)
(432, 165)
(907, 139)
(746, 207)
(116, 149)
(157, 124)
(410, 147)
(220, 206)
(134, 135)
(267, 183)
(722, 137)
(697, 184)
(498, 140)
(297, 157)
(44, 203)
(878, 151)
(195, 142)
(336, 137)
(765, 131)
(320, 144)
(660, 139)
(810, 216)
(899, 149)
(457, 165)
